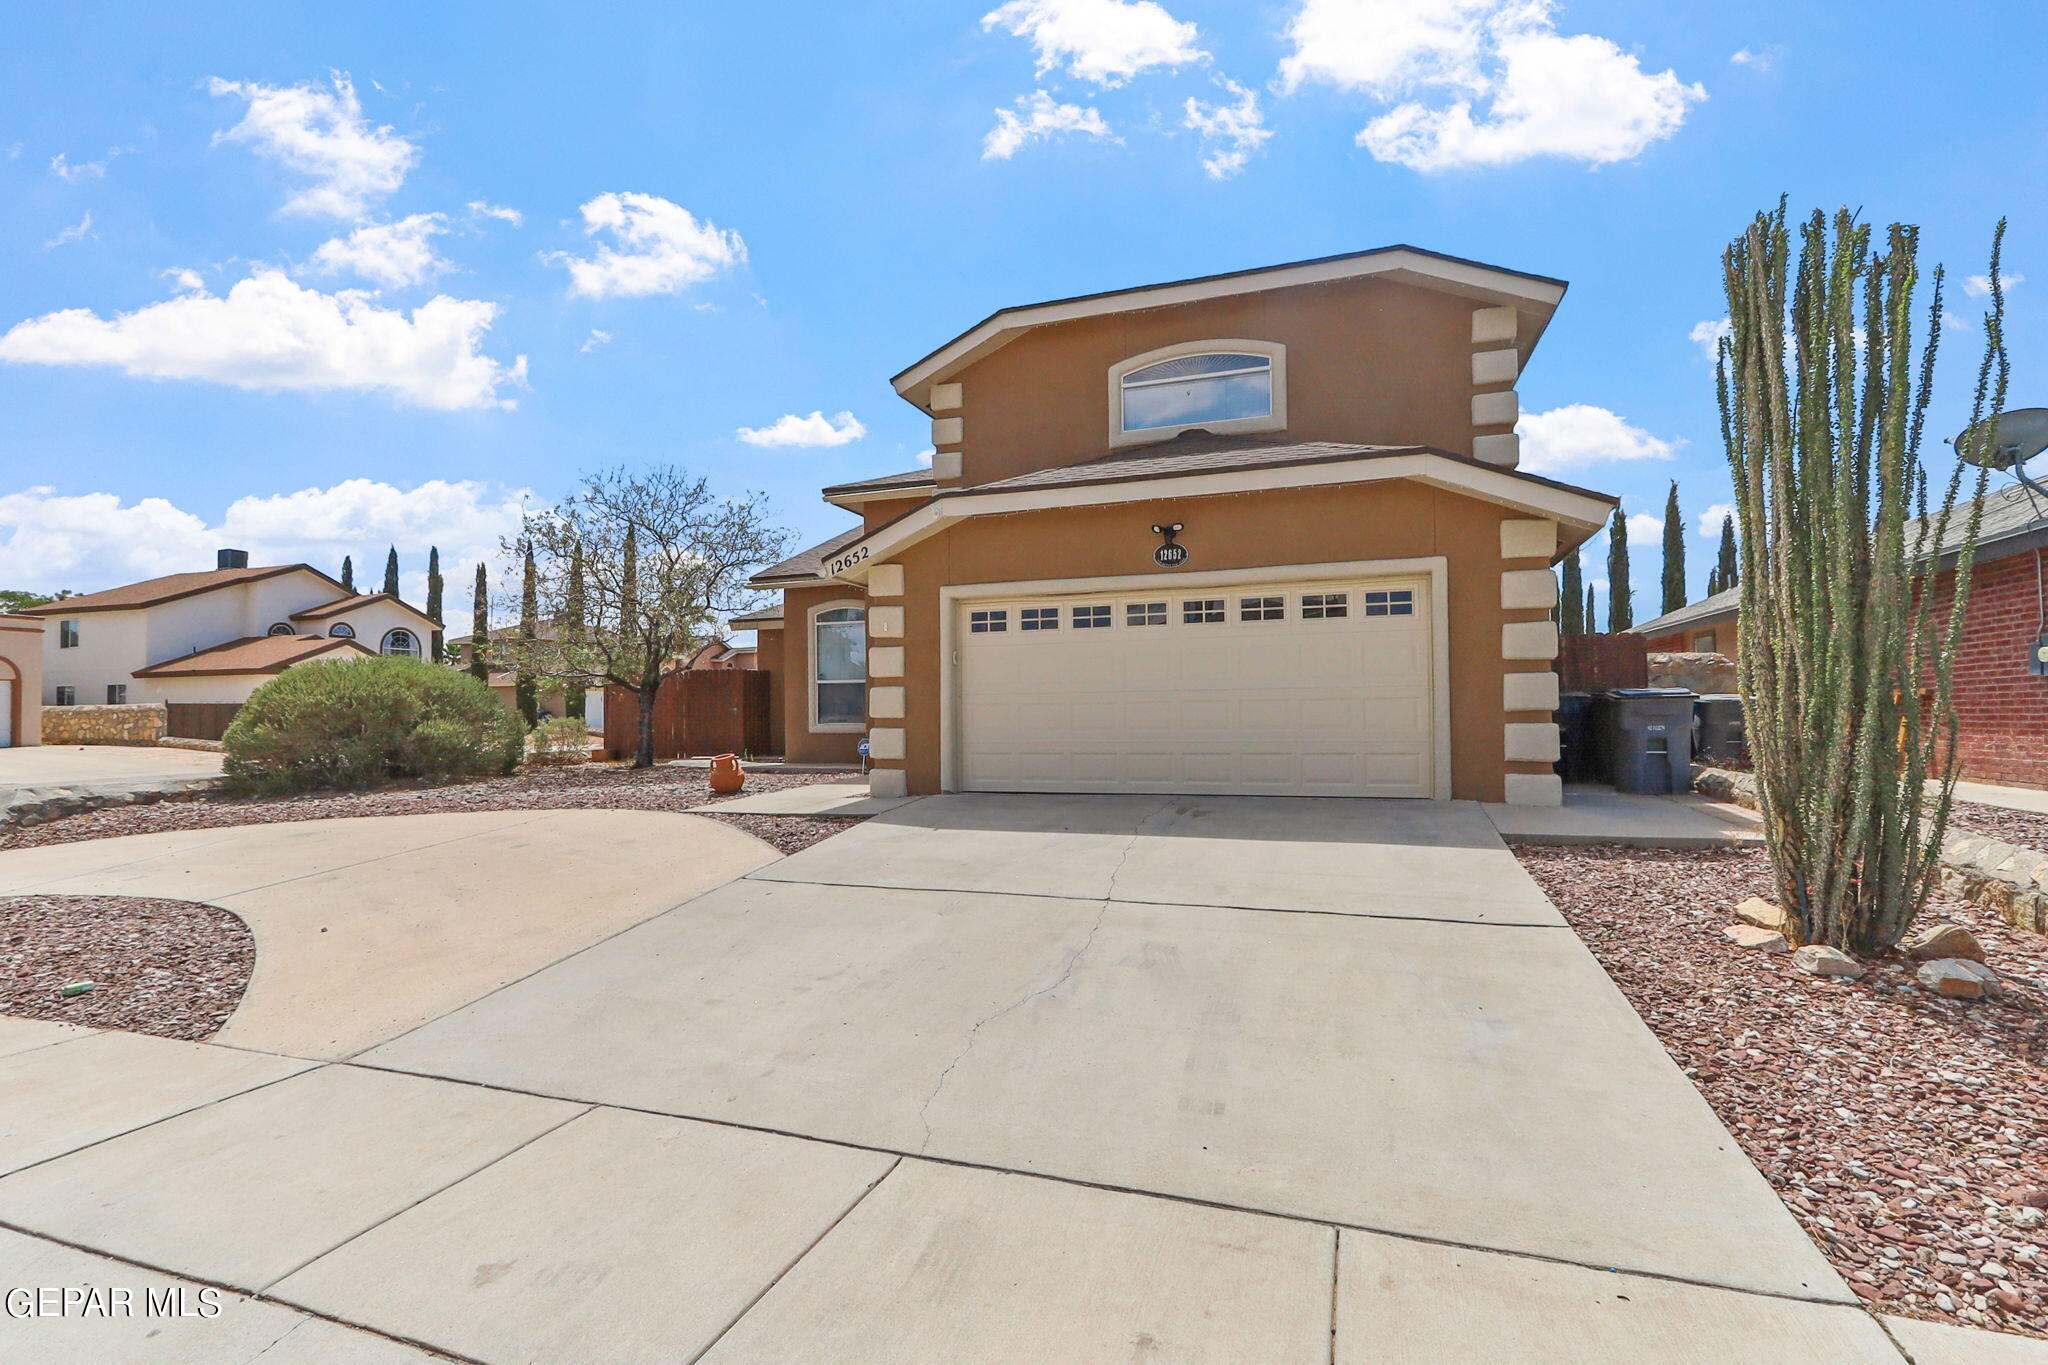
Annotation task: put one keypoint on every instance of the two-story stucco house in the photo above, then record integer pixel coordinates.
(1253, 533)
(214, 636)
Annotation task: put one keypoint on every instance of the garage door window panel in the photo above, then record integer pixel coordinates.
(1202, 611)
(1092, 617)
(988, 622)
(1040, 618)
(1145, 613)
(1325, 606)
(1261, 608)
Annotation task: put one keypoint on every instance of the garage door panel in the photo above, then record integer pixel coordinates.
(1332, 706)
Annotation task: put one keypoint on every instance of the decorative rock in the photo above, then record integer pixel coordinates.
(1960, 979)
(1761, 913)
(1821, 960)
(1942, 940)
(1756, 936)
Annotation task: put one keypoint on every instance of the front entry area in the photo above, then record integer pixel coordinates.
(1309, 688)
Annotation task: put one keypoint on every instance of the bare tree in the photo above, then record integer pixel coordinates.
(634, 573)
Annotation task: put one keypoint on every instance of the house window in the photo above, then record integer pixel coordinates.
(117, 694)
(1261, 608)
(1195, 390)
(342, 630)
(1324, 606)
(1706, 642)
(1039, 618)
(67, 637)
(1091, 618)
(839, 668)
(1145, 613)
(402, 643)
(281, 628)
(987, 622)
(67, 696)
(1400, 603)
(1198, 611)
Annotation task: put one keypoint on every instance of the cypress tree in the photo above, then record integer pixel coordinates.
(523, 691)
(1727, 570)
(572, 628)
(480, 628)
(1572, 598)
(1674, 553)
(391, 572)
(434, 597)
(1620, 596)
(348, 573)
(1589, 618)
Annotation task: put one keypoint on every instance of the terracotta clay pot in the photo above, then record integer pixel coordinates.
(727, 776)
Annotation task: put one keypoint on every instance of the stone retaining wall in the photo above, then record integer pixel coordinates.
(2009, 880)
(135, 723)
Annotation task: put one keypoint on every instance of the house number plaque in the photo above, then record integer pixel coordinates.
(1171, 554)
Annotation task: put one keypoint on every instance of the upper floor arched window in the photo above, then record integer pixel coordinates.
(342, 630)
(403, 643)
(1219, 386)
(281, 628)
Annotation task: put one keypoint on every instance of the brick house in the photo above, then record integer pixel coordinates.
(2001, 698)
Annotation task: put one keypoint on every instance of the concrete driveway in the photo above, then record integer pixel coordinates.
(38, 772)
(983, 1079)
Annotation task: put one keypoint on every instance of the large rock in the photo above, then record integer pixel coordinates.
(1755, 936)
(1959, 978)
(1706, 674)
(1762, 913)
(1941, 940)
(1822, 960)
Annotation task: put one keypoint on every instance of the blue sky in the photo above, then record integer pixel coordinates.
(313, 279)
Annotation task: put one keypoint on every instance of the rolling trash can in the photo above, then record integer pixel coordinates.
(1718, 733)
(1648, 739)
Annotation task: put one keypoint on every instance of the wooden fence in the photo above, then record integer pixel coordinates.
(199, 719)
(718, 711)
(1595, 663)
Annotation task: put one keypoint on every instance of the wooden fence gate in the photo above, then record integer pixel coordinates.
(714, 711)
(199, 719)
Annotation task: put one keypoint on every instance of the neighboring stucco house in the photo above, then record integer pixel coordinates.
(216, 635)
(21, 680)
(1252, 533)
(2001, 676)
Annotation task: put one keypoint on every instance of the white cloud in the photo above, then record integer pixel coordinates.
(656, 247)
(90, 541)
(596, 339)
(479, 209)
(1707, 336)
(924, 457)
(84, 170)
(321, 133)
(1710, 520)
(1644, 529)
(815, 430)
(1979, 286)
(1757, 59)
(271, 333)
(1579, 434)
(1041, 117)
(1102, 41)
(1231, 132)
(1579, 97)
(394, 255)
(77, 232)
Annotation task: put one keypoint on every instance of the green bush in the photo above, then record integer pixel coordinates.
(565, 739)
(353, 723)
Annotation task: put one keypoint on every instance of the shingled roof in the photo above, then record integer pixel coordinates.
(806, 563)
(252, 654)
(151, 591)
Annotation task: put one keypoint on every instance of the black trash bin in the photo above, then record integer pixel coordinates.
(1718, 733)
(1578, 744)
(1648, 739)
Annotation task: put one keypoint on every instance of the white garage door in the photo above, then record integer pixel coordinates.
(6, 714)
(1307, 689)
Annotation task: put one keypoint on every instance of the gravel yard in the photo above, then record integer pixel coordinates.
(2024, 828)
(582, 786)
(170, 968)
(1907, 1133)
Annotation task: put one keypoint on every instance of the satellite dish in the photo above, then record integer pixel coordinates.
(2015, 438)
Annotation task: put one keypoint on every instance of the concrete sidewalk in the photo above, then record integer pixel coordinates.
(1055, 1098)
(98, 774)
(1601, 815)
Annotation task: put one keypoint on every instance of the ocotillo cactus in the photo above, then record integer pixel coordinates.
(1849, 625)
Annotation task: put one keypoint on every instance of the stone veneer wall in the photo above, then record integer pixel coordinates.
(134, 723)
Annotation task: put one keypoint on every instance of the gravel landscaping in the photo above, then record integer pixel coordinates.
(582, 786)
(2025, 828)
(170, 968)
(1908, 1133)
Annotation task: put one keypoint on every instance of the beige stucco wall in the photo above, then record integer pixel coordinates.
(1368, 361)
(792, 680)
(1396, 520)
(21, 666)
